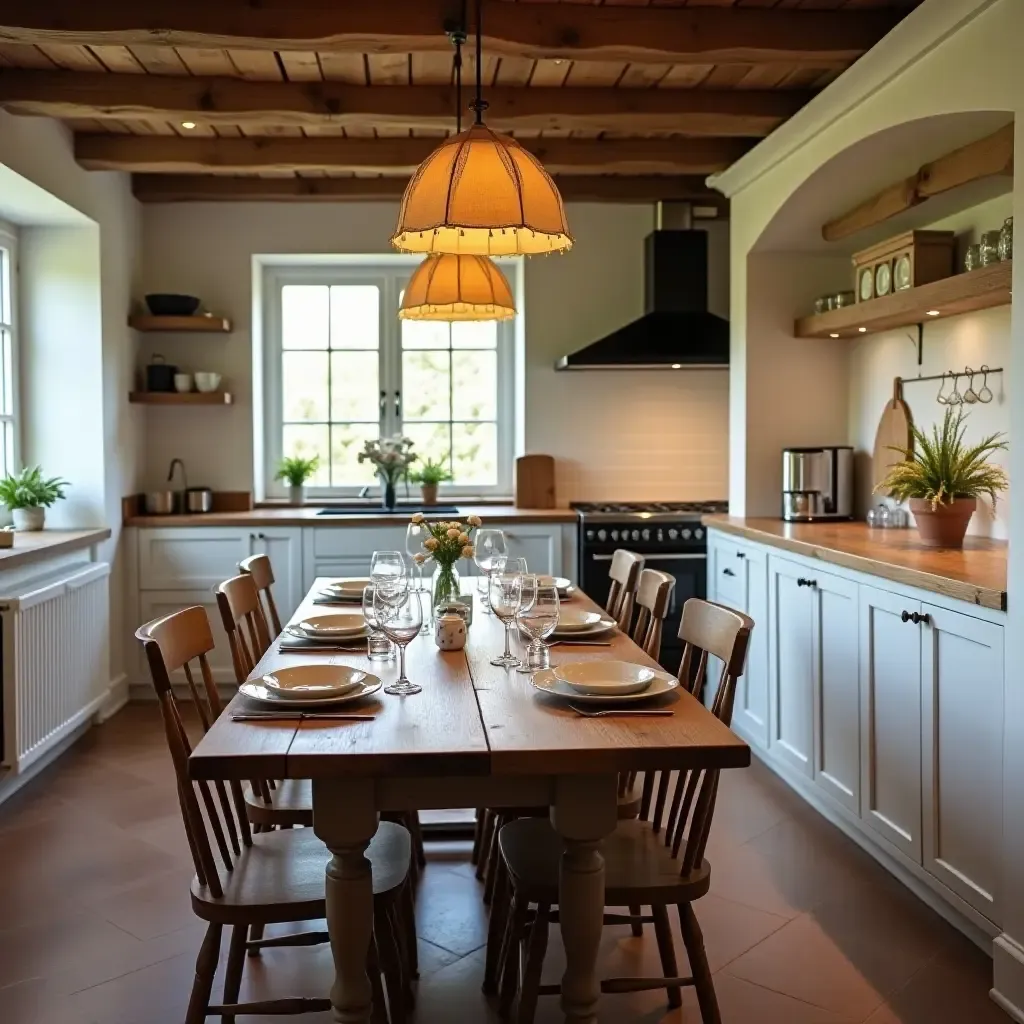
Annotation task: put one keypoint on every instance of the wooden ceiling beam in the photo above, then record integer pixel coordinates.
(158, 153)
(691, 35)
(181, 188)
(216, 101)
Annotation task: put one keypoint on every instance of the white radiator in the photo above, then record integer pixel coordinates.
(56, 660)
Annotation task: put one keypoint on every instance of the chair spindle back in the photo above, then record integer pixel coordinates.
(244, 622)
(653, 598)
(259, 568)
(624, 574)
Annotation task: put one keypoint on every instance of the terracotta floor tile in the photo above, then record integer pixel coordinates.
(450, 912)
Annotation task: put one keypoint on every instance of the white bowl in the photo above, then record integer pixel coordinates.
(207, 382)
(313, 682)
(349, 589)
(613, 678)
(334, 624)
(576, 620)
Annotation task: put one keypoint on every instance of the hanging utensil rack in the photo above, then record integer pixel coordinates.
(956, 397)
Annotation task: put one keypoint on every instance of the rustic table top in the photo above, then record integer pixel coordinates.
(471, 718)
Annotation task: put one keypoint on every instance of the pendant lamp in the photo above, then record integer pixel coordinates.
(481, 193)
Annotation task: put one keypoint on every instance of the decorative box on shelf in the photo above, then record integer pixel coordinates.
(906, 261)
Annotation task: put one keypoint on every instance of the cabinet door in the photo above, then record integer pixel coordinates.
(890, 669)
(962, 710)
(283, 545)
(751, 712)
(726, 577)
(539, 544)
(837, 746)
(791, 648)
(190, 557)
(157, 603)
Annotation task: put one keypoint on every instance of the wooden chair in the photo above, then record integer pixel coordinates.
(259, 568)
(653, 597)
(625, 574)
(249, 881)
(655, 861)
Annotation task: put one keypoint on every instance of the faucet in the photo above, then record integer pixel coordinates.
(184, 477)
(365, 491)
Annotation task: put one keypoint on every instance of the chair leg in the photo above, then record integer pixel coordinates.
(487, 836)
(391, 964)
(693, 939)
(379, 1009)
(663, 933)
(478, 836)
(407, 920)
(235, 965)
(417, 839)
(636, 927)
(529, 992)
(206, 968)
(496, 927)
(255, 934)
(494, 859)
(508, 971)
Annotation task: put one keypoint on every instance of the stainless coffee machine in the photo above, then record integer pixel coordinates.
(817, 483)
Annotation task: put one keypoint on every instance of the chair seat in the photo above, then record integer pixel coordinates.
(291, 803)
(282, 875)
(639, 869)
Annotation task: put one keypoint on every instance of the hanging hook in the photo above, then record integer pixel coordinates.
(942, 400)
(970, 395)
(985, 389)
(955, 397)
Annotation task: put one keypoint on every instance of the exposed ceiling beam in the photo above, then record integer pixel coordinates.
(691, 35)
(155, 153)
(179, 188)
(213, 101)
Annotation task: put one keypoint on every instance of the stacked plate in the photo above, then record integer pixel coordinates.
(311, 686)
(329, 628)
(603, 681)
(344, 591)
(560, 583)
(577, 624)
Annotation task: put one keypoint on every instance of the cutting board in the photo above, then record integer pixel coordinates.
(535, 481)
(893, 429)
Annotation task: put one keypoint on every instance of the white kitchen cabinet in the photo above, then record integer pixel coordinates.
(346, 550)
(539, 543)
(962, 754)
(890, 668)
(190, 557)
(283, 545)
(157, 603)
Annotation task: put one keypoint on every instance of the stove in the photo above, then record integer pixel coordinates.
(671, 539)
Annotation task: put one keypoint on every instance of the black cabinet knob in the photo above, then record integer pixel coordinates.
(740, 554)
(801, 582)
(925, 618)
(728, 572)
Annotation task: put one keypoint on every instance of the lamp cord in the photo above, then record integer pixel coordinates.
(479, 105)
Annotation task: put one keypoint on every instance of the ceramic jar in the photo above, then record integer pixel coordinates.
(450, 632)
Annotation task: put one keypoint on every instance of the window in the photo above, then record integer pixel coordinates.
(340, 368)
(8, 351)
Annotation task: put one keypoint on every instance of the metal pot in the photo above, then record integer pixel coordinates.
(199, 499)
(161, 503)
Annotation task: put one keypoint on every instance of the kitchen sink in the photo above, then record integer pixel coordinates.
(362, 508)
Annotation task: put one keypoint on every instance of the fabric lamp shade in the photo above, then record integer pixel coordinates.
(480, 193)
(447, 287)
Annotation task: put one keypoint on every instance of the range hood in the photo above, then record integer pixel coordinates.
(676, 330)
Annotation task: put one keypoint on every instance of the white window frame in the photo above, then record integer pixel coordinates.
(9, 246)
(390, 272)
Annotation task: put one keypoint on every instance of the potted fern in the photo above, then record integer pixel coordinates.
(296, 470)
(942, 478)
(428, 476)
(28, 495)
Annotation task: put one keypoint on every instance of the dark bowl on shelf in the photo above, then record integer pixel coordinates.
(172, 305)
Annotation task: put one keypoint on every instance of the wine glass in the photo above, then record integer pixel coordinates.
(378, 646)
(387, 568)
(537, 618)
(488, 546)
(505, 589)
(400, 619)
(415, 535)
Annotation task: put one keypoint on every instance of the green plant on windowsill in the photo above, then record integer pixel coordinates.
(428, 476)
(29, 494)
(295, 471)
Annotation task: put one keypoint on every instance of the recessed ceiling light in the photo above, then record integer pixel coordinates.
(559, 60)
(188, 124)
(832, 334)
(863, 330)
(677, 366)
(933, 312)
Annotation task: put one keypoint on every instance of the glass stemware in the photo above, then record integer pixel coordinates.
(505, 589)
(378, 646)
(400, 617)
(387, 567)
(537, 618)
(415, 535)
(488, 548)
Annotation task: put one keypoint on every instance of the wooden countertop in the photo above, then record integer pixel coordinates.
(976, 573)
(38, 545)
(307, 516)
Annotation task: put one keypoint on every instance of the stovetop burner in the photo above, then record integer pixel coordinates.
(649, 509)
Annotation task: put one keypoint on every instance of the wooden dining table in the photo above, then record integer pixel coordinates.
(476, 736)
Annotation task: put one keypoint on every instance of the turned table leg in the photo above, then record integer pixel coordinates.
(583, 813)
(345, 819)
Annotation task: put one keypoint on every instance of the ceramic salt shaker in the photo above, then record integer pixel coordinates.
(450, 632)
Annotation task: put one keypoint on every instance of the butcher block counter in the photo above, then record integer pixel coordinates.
(976, 573)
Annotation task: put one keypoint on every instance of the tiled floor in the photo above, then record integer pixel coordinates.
(801, 926)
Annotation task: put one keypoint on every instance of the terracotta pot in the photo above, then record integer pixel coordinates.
(429, 493)
(945, 525)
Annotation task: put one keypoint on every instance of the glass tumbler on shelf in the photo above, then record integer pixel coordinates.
(989, 248)
(972, 258)
(538, 621)
(378, 646)
(505, 591)
(1006, 240)
(400, 616)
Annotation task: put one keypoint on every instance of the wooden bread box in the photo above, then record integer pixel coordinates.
(906, 261)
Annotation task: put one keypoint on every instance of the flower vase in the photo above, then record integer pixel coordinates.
(387, 493)
(444, 587)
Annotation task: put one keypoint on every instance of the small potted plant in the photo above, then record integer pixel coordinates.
(296, 471)
(428, 476)
(28, 495)
(942, 478)
(391, 458)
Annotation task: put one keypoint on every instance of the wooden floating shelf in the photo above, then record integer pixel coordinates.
(181, 324)
(983, 288)
(177, 398)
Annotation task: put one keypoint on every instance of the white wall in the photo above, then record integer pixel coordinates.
(618, 434)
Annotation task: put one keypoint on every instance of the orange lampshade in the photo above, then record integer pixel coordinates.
(480, 193)
(446, 287)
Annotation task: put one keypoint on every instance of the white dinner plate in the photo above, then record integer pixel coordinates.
(294, 633)
(262, 695)
(614, 678)
(348, 590)
(332, 625)
(595, 632)
(301, 683)
(547, 682)
(577, 620)
(560, 583)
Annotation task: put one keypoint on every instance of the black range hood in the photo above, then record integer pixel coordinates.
(676, 330)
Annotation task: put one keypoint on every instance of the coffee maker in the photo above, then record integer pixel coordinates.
(817, 483)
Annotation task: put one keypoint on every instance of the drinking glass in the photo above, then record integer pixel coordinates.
(401, 620)
(415, 535)
(488, 546)
(387, 567)
(378, 646)
(537, 619)
(505, 589)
